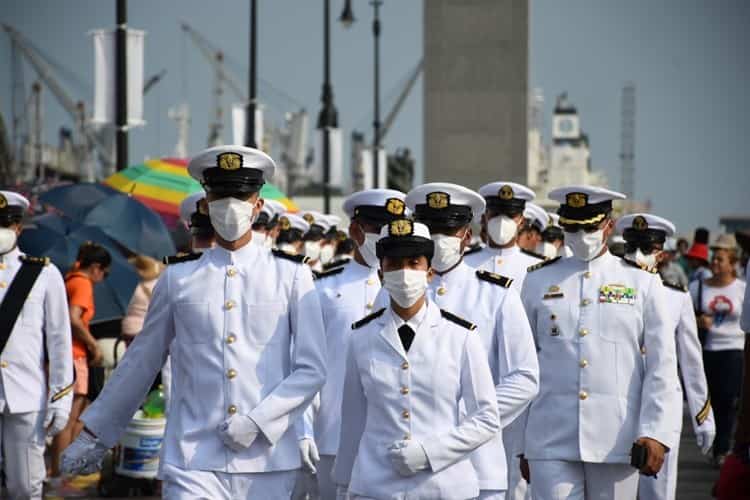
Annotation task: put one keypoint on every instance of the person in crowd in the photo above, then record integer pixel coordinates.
(264, 224)
(246, 336)
(272, 226)
(646, 236)
(91, 267)
(194, 214)
(697, 258)
(345, 249)
(489, 301)
(501, 223)
(669, 269)
(148, 270)
(410, 366)
(683, 245)
(314, 238)
(292, 228)
(719, 305)
(35, 399)
(607, 361)
(530, 236)
(330, 241)
(347, 293)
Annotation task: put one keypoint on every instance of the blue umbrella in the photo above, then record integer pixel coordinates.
(121, 217)
(59, 239)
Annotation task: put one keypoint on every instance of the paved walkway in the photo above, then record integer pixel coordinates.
(695, 477)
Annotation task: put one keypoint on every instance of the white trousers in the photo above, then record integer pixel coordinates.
(22, 438)
(562, 480)
(182, 484)
(664, 486)
(518, 488)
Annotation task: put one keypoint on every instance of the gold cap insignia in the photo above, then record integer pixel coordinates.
(3, 201)
(284, 224)
(438, 200)
(309, 218)
(395, 206)
(639, 223)
(576, 200)
(553, 289)
(401, 227)
(229, 161)
(505, 193)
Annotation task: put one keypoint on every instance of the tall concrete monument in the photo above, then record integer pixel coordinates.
(475, 90)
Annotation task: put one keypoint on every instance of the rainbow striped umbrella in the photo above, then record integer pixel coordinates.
(162, 184)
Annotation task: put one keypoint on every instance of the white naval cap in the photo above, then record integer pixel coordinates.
(13, 199)
(333, 220)
(554, 219)
(189, 205)
(644, 222)
(376, 205)
(273, 208)
(584, 205)
(404, 238)
(445, 205)
(506, 196)
(232, 169)
(289, 221)
(537, 215)
(318, 222)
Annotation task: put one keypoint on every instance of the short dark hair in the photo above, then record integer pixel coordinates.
(93, 253)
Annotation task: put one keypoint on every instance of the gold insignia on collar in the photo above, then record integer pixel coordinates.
(554, 289)
(438, 200)
(576, 200)
(229, 161)
(401, 227)
(395, 206)
(639, 223)
(284, 224)
(505, 193)
(309, 218)
(3, 201)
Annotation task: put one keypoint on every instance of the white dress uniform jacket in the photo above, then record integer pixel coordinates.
(607, 360)
(248, 339)
(390, 396)
(506, 336)
(43, 324)
(346, 295)
(511, 262)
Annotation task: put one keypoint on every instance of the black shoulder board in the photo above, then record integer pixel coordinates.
(38, 261)
(533, 254)
(631, 263)
(179, 258)
(335, 263)
(325, 274)
(473, 249)
(362, 322)
(497, 279)
(542, 264)
(299, 259)
(458, 320)
(675, 286)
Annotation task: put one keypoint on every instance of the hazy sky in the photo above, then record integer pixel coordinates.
(688, 59)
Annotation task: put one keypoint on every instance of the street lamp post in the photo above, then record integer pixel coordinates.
(328, 117)
(121, 86)
(376, 85)
(253, 78)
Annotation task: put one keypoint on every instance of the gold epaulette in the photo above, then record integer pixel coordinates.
(458, 320)
(642, 267)
(299, 259)
(362, 322)
(39, 261)
(181, 257)
(542, 264)
(674, 286)
(496, 279)
(328, 273)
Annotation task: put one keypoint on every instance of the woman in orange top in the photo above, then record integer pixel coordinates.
(92, 266)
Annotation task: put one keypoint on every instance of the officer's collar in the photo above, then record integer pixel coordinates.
(601, 262)
(504, 252)
(243, 255)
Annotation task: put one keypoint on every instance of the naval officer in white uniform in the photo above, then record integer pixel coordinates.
(347, 293)
(607, 361)
(35, 398)
(410, 367)
(487, 300)
(501, 222)
(248, 353)
(645, 235)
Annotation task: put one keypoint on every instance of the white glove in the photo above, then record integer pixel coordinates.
(84, 455)
(238, 432)
(408, 457)
(55, 420)
(705, 439)
(309, 453)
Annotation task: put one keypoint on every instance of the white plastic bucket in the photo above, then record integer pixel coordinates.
(138, 455)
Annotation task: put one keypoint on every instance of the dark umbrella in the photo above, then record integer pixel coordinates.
(59, 238)
(123, 218)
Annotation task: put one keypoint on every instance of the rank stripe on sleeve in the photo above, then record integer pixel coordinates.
(702, 415)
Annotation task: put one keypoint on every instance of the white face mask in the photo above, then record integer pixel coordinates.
(7, 240)
(501, 229)
(642, 259)
(288, 248)
(367, 250)
(585, 246)
(546, 249)
(230, 217)
(326, 254)
(447, 252)
(405, 286)
(312, 250)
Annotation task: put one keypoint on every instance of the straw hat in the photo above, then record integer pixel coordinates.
(146, 267)
(725, 242)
